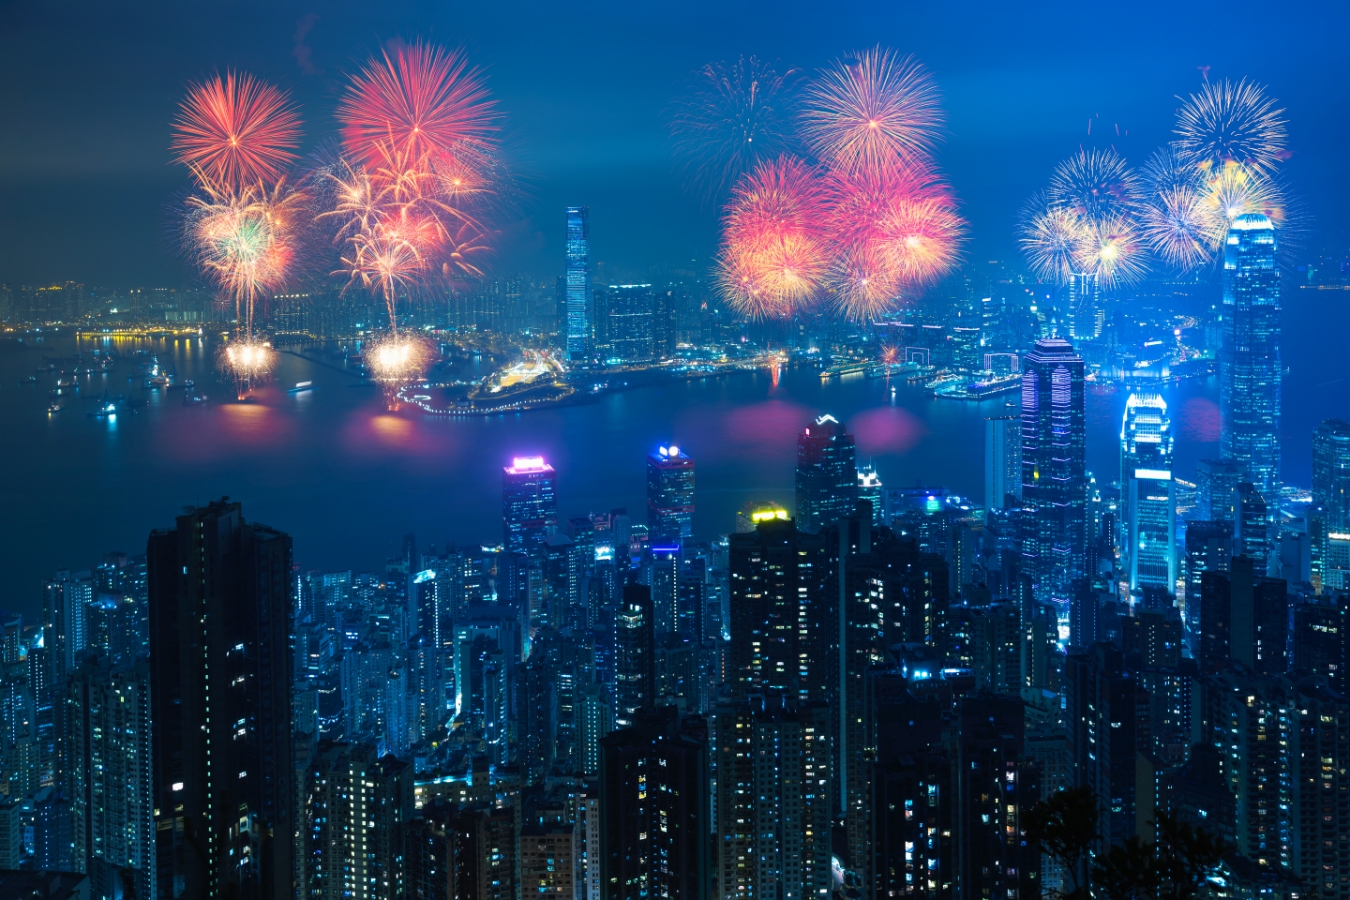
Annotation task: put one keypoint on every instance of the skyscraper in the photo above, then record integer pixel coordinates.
(871, 489)
(670, 496)
(220, 603)
(1331, 473)
(780, 627)
(1002, 461)
(1329, 518)
(1148, 495)
(654, 808)
(1054, 469)
(630, 311)
(578, 282)
(1249, 353)
(1216, 490)
(634, 654)
(529, 504)
(1085, 312)
(774, 813)
(827, 474)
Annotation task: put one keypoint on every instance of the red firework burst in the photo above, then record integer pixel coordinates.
(774, 258)
(423, 100)
(897, 227)
(875, 109)
(235, 131)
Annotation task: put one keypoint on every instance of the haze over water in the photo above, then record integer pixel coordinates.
(347, 479)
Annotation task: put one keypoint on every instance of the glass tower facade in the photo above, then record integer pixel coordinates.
(1331, 473)
(827, 474)
(670, 496)
(1054, 470)
(529, 504)
(1148, 494)
(1249, 353)
(1085, 311)
(578, 287)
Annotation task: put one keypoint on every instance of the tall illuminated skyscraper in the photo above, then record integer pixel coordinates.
(1148, 494)
(827, 474)
(1054, 469)
(529, 504)
(871, 489)
(670, 495)
(1085, 312)
(1249, 353)
(579, 303)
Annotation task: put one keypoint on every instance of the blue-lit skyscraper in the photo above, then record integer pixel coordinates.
(578, 304)
(1054, 470)
(529, 504)
(1148, 494)
(1085, 307)
(670, 496)
(1249, 353)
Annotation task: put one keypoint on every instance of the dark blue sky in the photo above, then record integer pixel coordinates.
(87, 90)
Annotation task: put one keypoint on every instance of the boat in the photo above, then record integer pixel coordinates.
(54, 408)
(301, 387)
(843, 369)
(105, 410)
(192, 399)
(31, 379)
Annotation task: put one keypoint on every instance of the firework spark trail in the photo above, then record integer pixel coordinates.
(736, 116)
(423, 100)
(873, 110)
(235, 131)
(1231, 123)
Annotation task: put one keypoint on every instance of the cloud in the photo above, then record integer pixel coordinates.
(302, 52)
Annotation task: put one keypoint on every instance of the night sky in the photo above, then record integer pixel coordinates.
(87, 91)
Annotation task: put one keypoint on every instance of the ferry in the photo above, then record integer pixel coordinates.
(301, 387)
(843, 369)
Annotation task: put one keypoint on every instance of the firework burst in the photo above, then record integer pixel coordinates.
(1050, 237)
(236, 131)
(1231, 123)
(864, 282)
(1113, 249)
(1179, 226)
(1095, 184)
(897, 230)
(871, 111)
(246, 240)
(397, 358)
(773, 259)
(385, 259)
(248, 361)
(422, 100)
(1234, 190)
(736, 116)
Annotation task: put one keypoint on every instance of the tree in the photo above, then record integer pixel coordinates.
(1065, 827)
(1172, 868)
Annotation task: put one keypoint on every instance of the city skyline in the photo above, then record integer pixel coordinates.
(610, 453)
